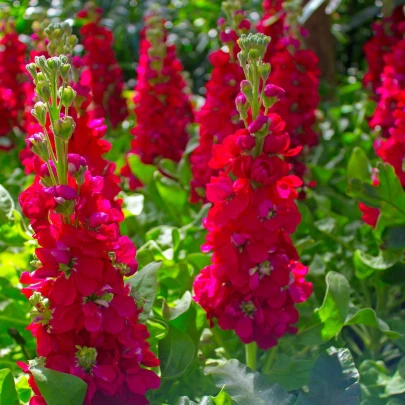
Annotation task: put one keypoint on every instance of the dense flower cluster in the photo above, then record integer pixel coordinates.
(162, 106)
(101, 73)
(386, 77)
(12, 83)
(218, 117)
(84, 317)
(296, 70)
(386, 33)
(255, 278)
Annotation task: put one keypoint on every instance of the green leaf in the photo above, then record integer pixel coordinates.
(373, 379)
(366, 265)
(141, 170)
(144, 285)
(221, 399)
(334, 380)
(182, 306)
(176, 353)
(368, 317)
(172, 193)
(359, 166)
(8, 393)
(6, 205)
(290, 373)
(394, 237)
(329, 319)
(396, 385)
(247, 387)
(59, 388)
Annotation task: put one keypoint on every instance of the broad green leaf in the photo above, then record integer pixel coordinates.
(359, 166)
(8, 393)
(176, 353)
(366, 265)
(334, 380)
(168, 167)
(141, 170)
(247, 387)
(144, 285)
(396, 385)
(368, 317)
(394, 237)
(6, 206)
(221, 399)
(59, 388)
(374, 376)
(170, 313)
(329, 319)
(290, 373)
(172, 193)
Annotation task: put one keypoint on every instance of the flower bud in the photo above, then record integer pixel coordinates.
(38, 145)
(272, 94)
(246, 142)
(67, 96)
(64, 71)
(246, 89)
(86, 357)
(242, 105)
(221, 23)
(98, 219)
(64, 128)
(259, 125)
(264, 71)
(42, 90)
(242, 57)
(40, 61)
(32, 69)
(39, 112)
(254, 54)
(63, 59)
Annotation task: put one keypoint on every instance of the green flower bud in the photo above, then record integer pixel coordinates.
(246, 89)
(32, 70)
(41, 77)
(40, 61)
(72, 41)
(254, 54)
(64, 128)
(264, 71)
(39, 145)
(39, 112)
(63, 59)
(64, 71)
(86, 357)
(67, 96)
(242, 57)
(42, 89)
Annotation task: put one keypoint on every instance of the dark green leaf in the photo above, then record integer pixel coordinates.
(176, 353)
(334, 381)
(171, 313)
(141, 170)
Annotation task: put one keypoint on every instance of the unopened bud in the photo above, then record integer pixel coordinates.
(254, 54)
(39, 145)
(39, 112)
(42, 90)
(32, 69)
(259, 125)
(64, 128)
(272, 94)
(86, 357)
(246, 89)
(242, 105)
(264, 71)
(64, 71)
(66, 96)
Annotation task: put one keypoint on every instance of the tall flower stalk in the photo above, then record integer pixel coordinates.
(255, 278)
(219, 117)
(84, 317)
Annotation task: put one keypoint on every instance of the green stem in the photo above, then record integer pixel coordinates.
(251, 355)
(255, 90)
(220, 342)
(54, 182)
(259, 145)
(271, 357)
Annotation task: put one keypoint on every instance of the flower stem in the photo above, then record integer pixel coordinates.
(251, 355)
(271, 357)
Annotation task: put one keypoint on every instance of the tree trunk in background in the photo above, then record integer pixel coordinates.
(321, 41)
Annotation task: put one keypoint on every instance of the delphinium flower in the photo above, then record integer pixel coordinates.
(386, 33)
(12, 81)
(101, 72)
(295, 70)
(218, 116)
(255, 279)
(84, 318)
(162, 106)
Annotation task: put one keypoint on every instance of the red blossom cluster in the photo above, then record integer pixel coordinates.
(84, 317)
(162, 107)
(101, 73)
(386, 33)
(218, 117)
(255, 278)
(386, 77)
(296, 70)
(12, 83)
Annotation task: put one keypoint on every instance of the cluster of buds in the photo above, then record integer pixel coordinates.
(61, 39)
(50, 78)
(255, 278)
